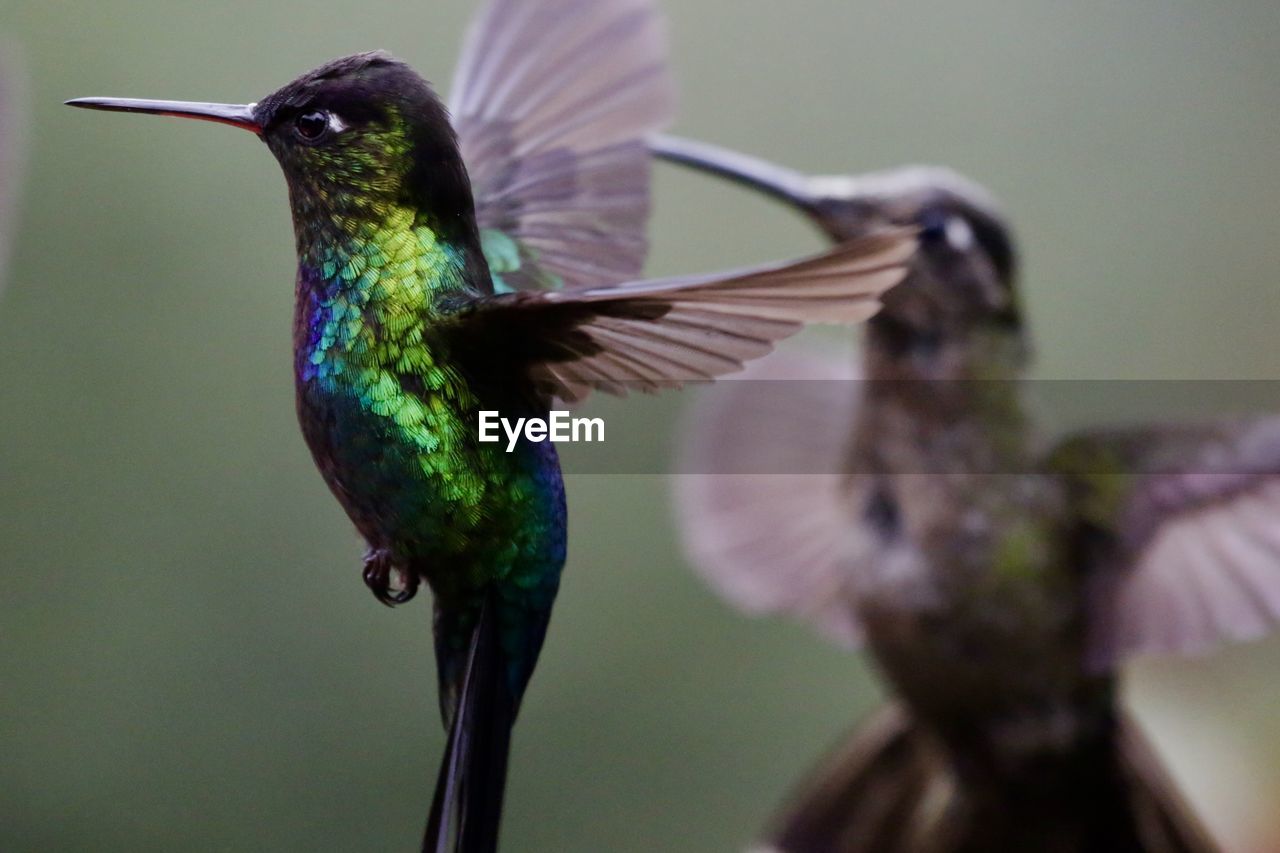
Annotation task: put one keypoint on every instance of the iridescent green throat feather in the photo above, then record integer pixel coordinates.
(367, 296)
(364, 305)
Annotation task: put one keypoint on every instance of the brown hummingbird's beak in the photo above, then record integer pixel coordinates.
(238, 115)
(785, 185)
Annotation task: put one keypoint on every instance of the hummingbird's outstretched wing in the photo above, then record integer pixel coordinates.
(553, 101)
(764, 511)
(1185, 551)
(650, 335)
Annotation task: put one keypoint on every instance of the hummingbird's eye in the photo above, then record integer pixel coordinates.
(311, 127)
(933, 225)
(937, 226)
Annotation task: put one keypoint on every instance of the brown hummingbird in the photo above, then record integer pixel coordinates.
(997, 579)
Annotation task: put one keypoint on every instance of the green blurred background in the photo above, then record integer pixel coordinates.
(188, 659)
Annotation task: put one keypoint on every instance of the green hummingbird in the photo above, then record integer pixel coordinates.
(998, 579)
(421, 239)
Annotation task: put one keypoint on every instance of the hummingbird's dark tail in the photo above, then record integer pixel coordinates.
(467, 807)
(1158, 806)
(861, 798)
(892, 789)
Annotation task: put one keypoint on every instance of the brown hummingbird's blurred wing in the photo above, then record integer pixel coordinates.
(764, 510)
(651, 335)
(1191, 557)
(553, 101)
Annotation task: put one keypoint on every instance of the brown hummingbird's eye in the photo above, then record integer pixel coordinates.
(311, 127)
(933, 225)
(938, 227)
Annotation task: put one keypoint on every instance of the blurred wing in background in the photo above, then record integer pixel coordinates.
(650, 335)
(1191, 558)
(553, 103)
(12, 134)
(763, 506)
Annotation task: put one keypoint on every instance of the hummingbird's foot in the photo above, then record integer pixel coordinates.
(378, 570)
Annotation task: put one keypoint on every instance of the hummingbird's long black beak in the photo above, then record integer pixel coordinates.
(842, 207)
(785, 185)
(238, 115)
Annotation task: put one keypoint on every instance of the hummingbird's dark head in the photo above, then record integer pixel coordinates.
(358, 138)
(963, 277)
(363, 134)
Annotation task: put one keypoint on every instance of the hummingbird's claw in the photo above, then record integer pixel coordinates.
(378, 569)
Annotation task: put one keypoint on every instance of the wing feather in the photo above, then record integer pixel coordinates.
(1194, 553)
(763, 509)
(691, 329)
(553, 102)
